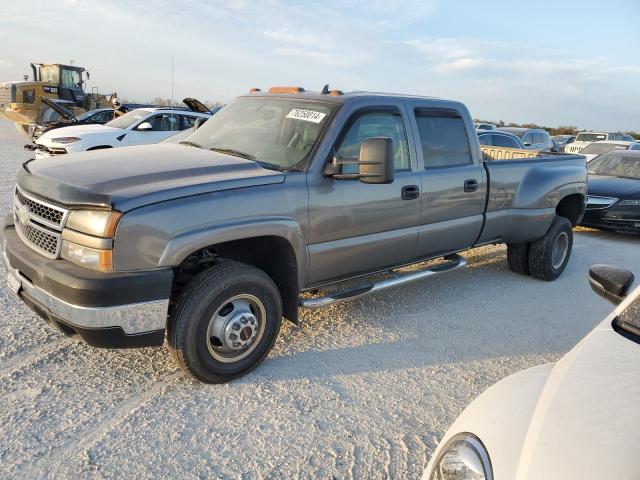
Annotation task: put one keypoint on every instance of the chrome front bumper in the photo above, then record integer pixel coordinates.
(133, 318)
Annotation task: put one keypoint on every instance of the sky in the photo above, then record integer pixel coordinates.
(550, 63)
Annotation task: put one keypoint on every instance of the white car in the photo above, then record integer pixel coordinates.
(586, 138)
(596, 149)
(141, 126)
(572, 420)
(485, 126)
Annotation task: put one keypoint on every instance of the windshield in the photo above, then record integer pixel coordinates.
(591, 137)
(128, 119)
(616, 165)
(87, 114)
(50, 74)
(279, 133)
(599, 147)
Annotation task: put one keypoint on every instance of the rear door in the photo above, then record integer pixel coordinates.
(357, 227)
(453, 181)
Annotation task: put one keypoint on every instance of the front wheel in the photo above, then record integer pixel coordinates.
(549, 255)
(225, 322)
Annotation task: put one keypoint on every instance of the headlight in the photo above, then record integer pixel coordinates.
(635, 203)
(101, 223)
(463, 458)
(65, 140)
(94, 258)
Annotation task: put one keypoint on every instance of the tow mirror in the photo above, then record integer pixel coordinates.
(145, 126)
(375, 163)
(610, 282)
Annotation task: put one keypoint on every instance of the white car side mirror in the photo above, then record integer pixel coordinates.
(144, 126)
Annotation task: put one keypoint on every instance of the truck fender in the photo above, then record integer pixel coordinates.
(181, 245)
(546, 187)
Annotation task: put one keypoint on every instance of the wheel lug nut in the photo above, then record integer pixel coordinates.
(235, 326)
(233, 336)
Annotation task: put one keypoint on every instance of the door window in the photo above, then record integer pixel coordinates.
(485, 139)
(165, 122)
(528, 139)
(505, 141)
(375, 123)
(443, 138)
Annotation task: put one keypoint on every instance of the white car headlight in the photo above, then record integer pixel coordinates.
(463, 458)
(65, 140)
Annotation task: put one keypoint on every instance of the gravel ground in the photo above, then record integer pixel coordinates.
(361, 390)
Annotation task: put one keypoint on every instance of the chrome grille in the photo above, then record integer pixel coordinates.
(44, 212)
(45, 242)
(38, 223)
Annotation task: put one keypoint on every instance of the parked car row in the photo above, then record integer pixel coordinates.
(141, 126)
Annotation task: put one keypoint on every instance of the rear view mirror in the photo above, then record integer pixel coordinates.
(145, 126)
(610, 282)
(376, 161)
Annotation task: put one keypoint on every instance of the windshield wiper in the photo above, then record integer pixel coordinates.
(235, 153)
(190, 143)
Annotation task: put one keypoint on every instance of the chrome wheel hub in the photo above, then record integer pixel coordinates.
(560, 249)
(236, 328)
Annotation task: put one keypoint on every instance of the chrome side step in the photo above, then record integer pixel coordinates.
(452, 262)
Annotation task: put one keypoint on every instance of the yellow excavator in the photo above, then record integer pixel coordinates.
(21, 101)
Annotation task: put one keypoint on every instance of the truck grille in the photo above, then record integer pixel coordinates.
(46, 243)
(39, 223)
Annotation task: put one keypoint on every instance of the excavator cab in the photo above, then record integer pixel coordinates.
(68, 79)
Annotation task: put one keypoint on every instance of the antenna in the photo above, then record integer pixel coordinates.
(325, 89)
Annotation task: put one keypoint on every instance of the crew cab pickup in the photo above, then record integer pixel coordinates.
(279, 201)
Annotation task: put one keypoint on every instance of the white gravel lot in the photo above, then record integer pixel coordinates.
(362, 390)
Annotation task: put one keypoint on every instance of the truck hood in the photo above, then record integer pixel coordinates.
(131, 177)
(586, 424)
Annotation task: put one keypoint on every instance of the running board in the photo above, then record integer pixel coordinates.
(452, 263)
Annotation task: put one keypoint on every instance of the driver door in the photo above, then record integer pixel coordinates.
(356, 227)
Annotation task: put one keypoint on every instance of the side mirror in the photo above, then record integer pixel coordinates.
(527, 144)
(376, 161)
(610, 282)
(144, 126)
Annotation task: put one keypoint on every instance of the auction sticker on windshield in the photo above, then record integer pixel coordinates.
(306, 115)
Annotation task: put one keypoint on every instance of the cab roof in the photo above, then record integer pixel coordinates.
(338, 98)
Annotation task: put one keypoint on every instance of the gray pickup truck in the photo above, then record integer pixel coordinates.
(278, 202)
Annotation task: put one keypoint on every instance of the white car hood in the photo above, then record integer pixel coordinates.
(573, 420)
(80, 131)
(586, 424)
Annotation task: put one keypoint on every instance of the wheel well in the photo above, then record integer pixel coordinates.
(571, 207)
(99, 147)
(271, 254)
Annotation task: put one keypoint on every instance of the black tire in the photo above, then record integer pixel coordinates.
(544, 261)
(201, 302)
(518, 258)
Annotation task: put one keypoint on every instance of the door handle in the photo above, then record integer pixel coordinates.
(410, 192)
(470, 185)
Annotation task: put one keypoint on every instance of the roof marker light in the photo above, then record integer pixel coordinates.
(286, 90)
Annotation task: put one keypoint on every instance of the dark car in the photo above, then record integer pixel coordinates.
(613, 201)
(497, 138)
